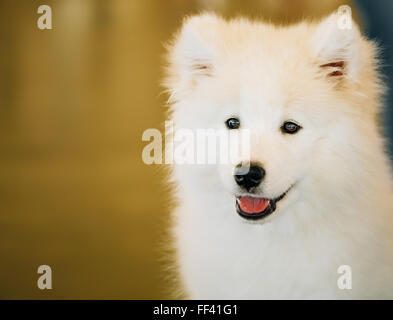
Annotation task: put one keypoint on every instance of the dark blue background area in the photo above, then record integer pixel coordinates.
(377, 16)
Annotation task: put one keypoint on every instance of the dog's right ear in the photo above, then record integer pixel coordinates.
(337, 47)
(191, 56)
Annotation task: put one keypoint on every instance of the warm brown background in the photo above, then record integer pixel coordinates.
(74, 101)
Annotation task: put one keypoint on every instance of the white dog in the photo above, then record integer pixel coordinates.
(319, 192)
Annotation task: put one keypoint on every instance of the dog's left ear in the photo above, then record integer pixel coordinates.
(336, 47)
(193, 53)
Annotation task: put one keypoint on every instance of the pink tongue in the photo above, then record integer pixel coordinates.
(253, 205)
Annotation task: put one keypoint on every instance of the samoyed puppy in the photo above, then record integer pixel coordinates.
(312, 216)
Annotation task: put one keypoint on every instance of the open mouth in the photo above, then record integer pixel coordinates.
(254, 208)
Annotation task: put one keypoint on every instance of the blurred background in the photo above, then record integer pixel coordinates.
(74, 102)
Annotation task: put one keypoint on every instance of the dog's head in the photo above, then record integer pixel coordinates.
(306, 93)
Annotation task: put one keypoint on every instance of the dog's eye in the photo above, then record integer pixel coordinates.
(290, 127)
(232, 123)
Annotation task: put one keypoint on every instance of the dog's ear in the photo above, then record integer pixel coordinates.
(192, 54)
(336, 46)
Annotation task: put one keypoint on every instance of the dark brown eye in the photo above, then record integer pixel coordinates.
(232, 123)
(290, 127)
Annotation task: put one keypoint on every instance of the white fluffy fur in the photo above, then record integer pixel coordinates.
(340, 210)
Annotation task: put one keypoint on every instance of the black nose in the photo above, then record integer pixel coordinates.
(251, 178)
